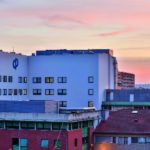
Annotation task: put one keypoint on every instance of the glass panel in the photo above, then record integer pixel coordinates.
(23, 142)
(44, 143)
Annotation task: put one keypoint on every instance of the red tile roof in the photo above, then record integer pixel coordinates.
(126, 122)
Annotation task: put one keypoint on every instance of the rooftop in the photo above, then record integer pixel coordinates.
(49, 117)
(126, 122)
(65, 51)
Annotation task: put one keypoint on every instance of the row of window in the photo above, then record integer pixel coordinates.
(124, 140)
(59, 79)
(45, 125)
(50, 91)
(13, 91)
(10, 79)
(49, 79)
(59, 92)
(39, 79)
(22, 143)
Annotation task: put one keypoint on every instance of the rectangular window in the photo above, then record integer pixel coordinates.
(62, 79)
(62, 103)
(56, 126)
(134, 139)
(44, 143)
(25, 80)
(141, 140)
(90, 104)
(0, 78)
(62, 92)
(90, 79)
(12, 125)
(0, 91)
(75, 142)
(27, 125)
(36, 79)
(43, 126)
(10, 79)
(4, 91)
(90, 92)
(23, 143)
(37, 91)
(4, 78)
(49, 79)
(20, 79)
(15, 91)
(57, 144)
(49, 91)
(20, 91)
(24, 91)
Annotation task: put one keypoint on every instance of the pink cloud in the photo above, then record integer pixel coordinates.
(116, 33)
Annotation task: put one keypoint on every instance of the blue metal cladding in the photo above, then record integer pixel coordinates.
(140, 95)
(22, 106)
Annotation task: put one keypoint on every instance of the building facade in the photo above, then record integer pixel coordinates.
(78, 78)
(125, 80)
(38, 124)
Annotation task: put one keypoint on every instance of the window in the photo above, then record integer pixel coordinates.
(23, 143)
(20, 91)
(90, 104)
(4, 91)
(27, 125)
(56, 126)
(0, 91)
(4, 78)
(90, 79)
(49, 79)
(15, 91)
(24, 91)
(37, 91)
(90, 92)
(114, 140)
(75, 125)
(12, 125)
(43, 125)
(49, 91)
(62, 92)
(44, 143)
(20, 79)
(1, 124)
(134, 139)
(62, 79)
(141, 140)
(10, 79)
(62, 103)
(0, 78)
(57, 144)
(36, 79)
(75, 142)
(25, 80)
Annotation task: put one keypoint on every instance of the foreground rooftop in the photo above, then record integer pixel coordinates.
(126, 122)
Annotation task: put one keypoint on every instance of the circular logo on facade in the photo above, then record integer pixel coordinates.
(15, 63)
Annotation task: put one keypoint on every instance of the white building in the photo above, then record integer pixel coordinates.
(78, 78)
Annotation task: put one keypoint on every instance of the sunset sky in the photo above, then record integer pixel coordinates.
(124, 26)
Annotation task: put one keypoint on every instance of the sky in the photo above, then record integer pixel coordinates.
(124, 26)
